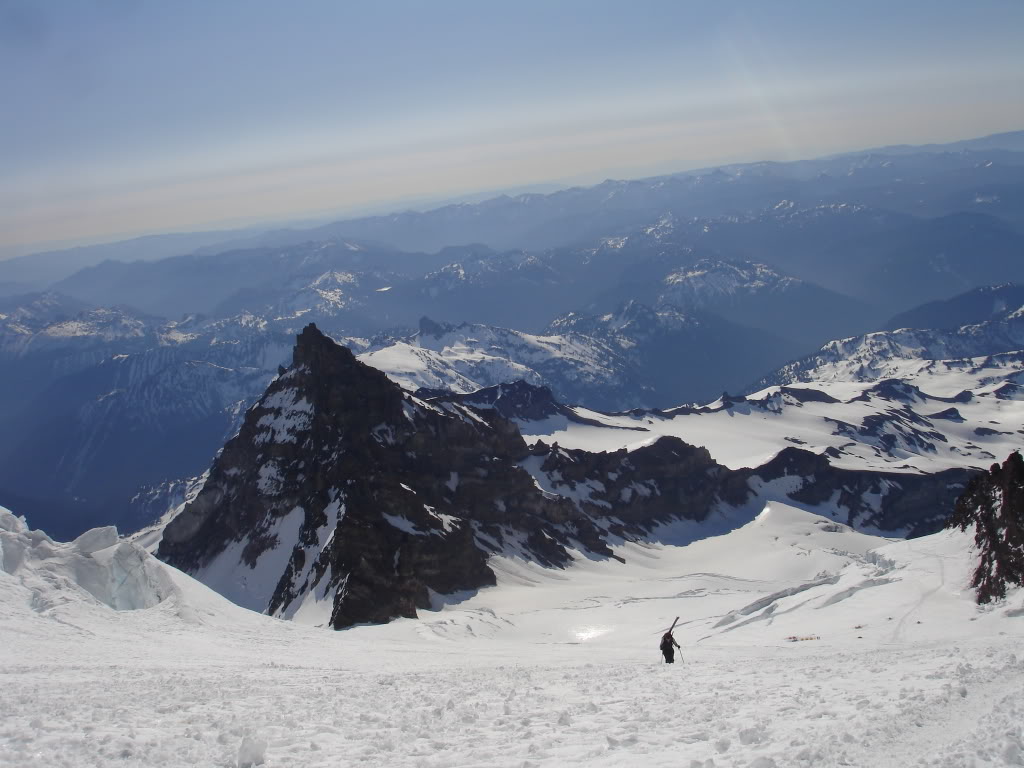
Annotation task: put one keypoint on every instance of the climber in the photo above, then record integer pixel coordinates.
(667, 643)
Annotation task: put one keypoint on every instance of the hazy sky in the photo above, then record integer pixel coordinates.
(119, 117)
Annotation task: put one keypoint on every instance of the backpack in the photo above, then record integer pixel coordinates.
(666, 643)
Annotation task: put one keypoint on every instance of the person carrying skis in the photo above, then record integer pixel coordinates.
(667, 643)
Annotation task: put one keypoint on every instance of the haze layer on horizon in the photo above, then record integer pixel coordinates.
(132, 117)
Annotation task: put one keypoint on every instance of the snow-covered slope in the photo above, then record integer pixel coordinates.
(786, 573)
(635, 356)
(803, 644)
(682, 356)
(709, 282)
(631, 357)
(936, 415)
(26, 314)
(891, 354)
(467, 357)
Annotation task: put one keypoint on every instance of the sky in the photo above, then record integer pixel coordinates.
(125, 117)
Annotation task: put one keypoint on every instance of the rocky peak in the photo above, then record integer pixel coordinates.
(315, 350)
(993, 504)
(430, 327)
(342, 490)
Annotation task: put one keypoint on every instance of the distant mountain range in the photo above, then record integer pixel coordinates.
(646, 295)
(137, 423)
(990, 302)
(36, 271)
(982, 175)
(891, 353)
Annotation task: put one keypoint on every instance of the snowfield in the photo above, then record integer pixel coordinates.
(804, 643)
(927, 421)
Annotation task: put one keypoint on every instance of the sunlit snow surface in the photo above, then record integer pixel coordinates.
(897, 666)
(929, 432)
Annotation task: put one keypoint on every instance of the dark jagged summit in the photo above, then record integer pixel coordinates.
(429, 327)
(341, 487)
(994, 504)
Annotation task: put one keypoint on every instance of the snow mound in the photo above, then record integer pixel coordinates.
(97, 567)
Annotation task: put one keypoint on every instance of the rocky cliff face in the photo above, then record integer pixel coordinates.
(370, 497)
(994, 505)
(916, 504)
(671, 479)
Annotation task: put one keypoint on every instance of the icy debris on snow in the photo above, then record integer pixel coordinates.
(851, 591)
(97, 566)
(96, 539)
(769, 600)
(11, 522)
(251, 752)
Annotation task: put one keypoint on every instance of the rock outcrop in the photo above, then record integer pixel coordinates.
(994, 505)
(911, 503)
